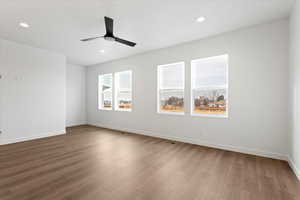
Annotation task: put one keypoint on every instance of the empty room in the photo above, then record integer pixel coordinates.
(150, 100)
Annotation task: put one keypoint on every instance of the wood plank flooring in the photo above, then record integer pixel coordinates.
(91, 163)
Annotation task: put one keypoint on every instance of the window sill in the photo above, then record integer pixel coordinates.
(105, 109)
(210, 116)
(123, 110)
(171, 113)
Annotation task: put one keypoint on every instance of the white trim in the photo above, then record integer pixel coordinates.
(170, 64)
(244, 150)
(32, 137)
(171, 113)
(210, 115)
(123, 110)
(105, 109)
(295, 169)
(76, 124)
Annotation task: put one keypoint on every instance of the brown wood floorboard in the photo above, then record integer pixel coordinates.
(90, 163)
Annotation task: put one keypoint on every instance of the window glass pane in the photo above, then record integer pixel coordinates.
(105, 92)
(171, 88)
(209, 86)
(123, 90)
(171, 100)
(172, 76)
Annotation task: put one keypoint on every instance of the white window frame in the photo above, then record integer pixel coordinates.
(158, 89)
(227, 91)
(100, 91)
(115, 91)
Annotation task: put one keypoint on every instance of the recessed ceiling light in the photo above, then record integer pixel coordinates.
(24, 25)
(201, 19)
(102, 51)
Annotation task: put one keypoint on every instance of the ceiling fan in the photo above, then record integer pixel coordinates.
(109, 36)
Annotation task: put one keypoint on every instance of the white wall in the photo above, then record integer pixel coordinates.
(295, 87)
(258, 90)
(76, 112)
(32, 102)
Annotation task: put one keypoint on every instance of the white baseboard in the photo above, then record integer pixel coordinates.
(199, 142)
(294, 167)
(32, 137)
(76, 124)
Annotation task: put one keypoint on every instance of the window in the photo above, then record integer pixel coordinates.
(105, 92)
(210, 86)
(123, 91)
(171, 88)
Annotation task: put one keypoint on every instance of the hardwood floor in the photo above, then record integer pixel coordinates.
(93, 163)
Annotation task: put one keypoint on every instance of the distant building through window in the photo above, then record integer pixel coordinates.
(105, 92)
(210, 86)
(171, 88)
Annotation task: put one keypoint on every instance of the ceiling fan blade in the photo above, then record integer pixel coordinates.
(109, 24)
(132, 44)
(89, 39)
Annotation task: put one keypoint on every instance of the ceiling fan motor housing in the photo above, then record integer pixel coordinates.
(110, 38)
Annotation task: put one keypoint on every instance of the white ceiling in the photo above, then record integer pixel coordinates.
(58, 25)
